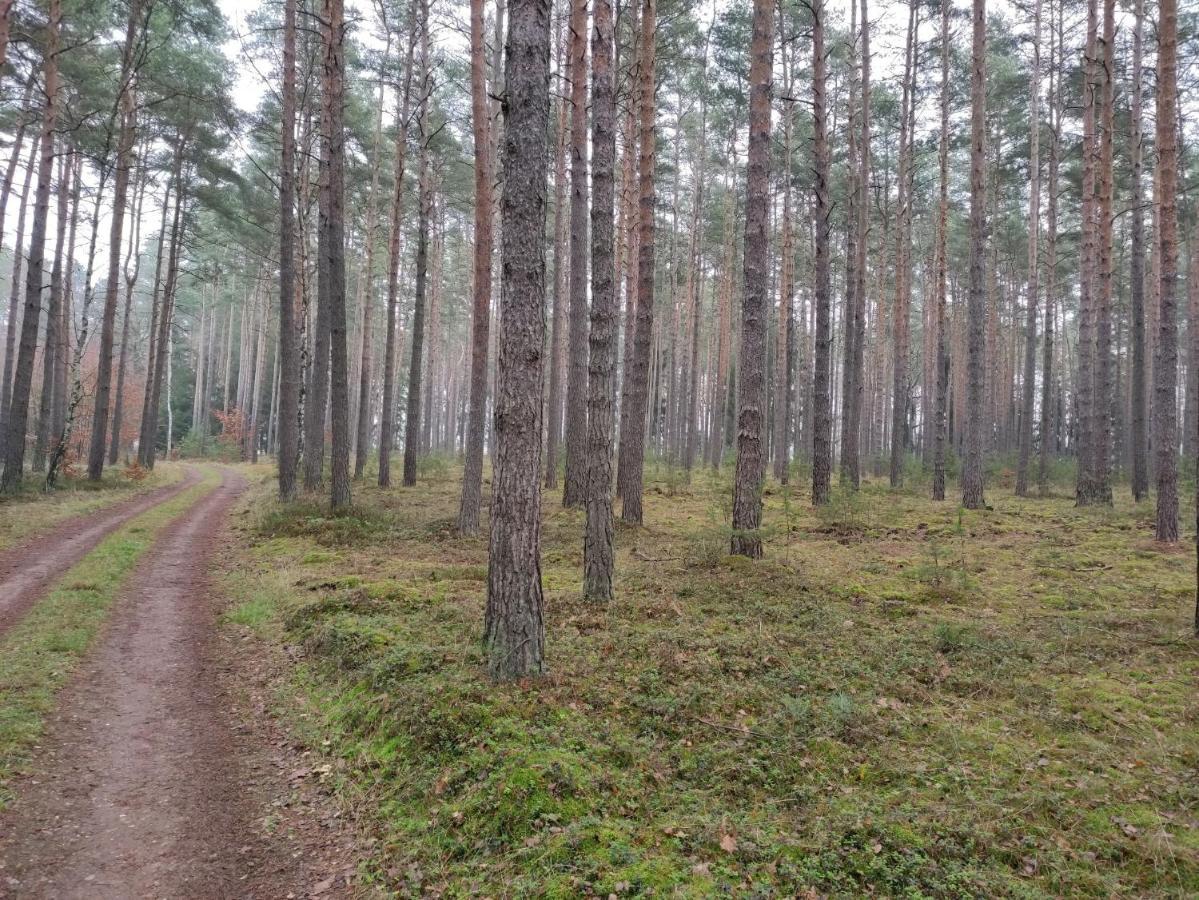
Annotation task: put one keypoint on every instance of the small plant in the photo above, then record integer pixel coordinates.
(136, 472)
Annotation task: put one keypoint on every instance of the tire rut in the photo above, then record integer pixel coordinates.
(144, 788)
(28, 570)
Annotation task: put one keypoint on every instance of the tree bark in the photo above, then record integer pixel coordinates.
(412, 424)
(557, 352)
(514, 627)
(332, 222)
(18, 411)
(976, 313)
(127, 112)
(387, 415)
(574, 486)
(1085, 388)
(1140, 400)
(289, 335)
(472, 476)
(632, 437)
(751, 379)
(54, 344)
(822, 401)
(1101, 480)
(903, 252)
(598, 550)
(1032, 284)
(1165, 389)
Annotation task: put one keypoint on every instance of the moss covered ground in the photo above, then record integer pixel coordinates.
(902, 699)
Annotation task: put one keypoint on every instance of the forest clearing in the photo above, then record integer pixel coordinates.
(599, 448)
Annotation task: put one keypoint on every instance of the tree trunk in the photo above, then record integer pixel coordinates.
(784, 382)
(387, 414)
(289, 337)
(332, 224)
(133, 257)
(18, 411)
(1050, 264)
(1165, 380)
(127, 112)
(1031, 284)
(514, 628)
(54, 346)
(574, 486)
(976, 312)
(14, 298)
(822, 401)
(751, 413)
(425, 203)
(1085, 388)
(903, 254)
(1140, 399)
(1101, 480)
(558, 321)
(632, 437)
(472, 476)
(598, 550)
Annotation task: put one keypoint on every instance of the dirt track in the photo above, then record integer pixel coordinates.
(157, 773)
(28, 569)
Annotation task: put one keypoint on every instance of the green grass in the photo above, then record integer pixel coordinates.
(39, 653)
(902, 699)
(31, 511)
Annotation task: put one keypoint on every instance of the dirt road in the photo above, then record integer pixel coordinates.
(27, 570)
(146, 783)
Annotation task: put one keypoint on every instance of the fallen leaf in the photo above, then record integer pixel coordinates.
(728, 843)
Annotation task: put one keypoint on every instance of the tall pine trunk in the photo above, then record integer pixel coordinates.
(632, 435)
(1165, 380)
(18, 411)
(751, 378)
(1032, 284)
(976, 312)
(822, 384)
(472, 476)
(598, 550)
(514, 627)
(574, 486)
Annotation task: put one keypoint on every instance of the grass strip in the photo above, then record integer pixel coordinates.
(43, 649)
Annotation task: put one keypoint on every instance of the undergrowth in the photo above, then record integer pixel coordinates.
(902, 699)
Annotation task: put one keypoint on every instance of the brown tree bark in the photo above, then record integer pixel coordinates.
(636, 399)
(1165, 380)
(976, 313)
(514, 628)
(574, 486)
(1085, 388)
(14, 297)
(751, 378)
(332, 223)
(289, 333)
(18, 411)
(822, 400)
(1101, 480)
(598, 550)
(472, 477)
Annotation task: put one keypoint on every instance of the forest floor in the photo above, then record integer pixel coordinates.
(901, 699)
(133, 760)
